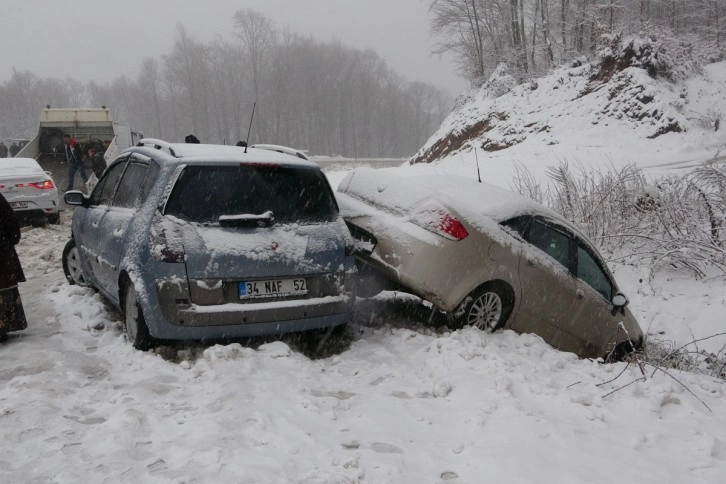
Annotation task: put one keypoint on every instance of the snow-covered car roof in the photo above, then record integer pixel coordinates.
(281, 149)
(192, 152)
(17, 166)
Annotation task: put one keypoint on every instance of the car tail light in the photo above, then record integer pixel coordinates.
(434, 217)
(44, 185)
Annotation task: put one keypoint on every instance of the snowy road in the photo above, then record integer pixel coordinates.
(402, 404)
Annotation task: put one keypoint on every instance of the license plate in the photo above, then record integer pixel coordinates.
(272, 287)
(17, 205)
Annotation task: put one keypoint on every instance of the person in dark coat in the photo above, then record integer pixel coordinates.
(14, 150)
(12, 316)
(74, 162)
(4, 150)
(95, 162)
(190, 138)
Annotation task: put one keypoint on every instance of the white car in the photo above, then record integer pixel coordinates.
(30, 190)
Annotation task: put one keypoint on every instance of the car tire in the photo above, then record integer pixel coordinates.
(54, 219)
(619, 353)
(137, 332)
(72, 264)
(487, 308)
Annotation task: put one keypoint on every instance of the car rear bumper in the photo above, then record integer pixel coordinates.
(256, 313)
(35, 214)
(170, 315)
(39, 201)
(166, 331)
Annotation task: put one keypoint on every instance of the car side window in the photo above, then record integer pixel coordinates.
(152, 174)
(131, 185)
(589, 271)
(518, 224)
(550, 241)
(103, 193)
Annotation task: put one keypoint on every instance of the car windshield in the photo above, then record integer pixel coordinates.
(293, 194)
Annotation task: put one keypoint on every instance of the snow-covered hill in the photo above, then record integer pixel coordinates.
(590, 113)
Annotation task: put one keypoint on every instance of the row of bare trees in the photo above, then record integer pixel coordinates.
(321, 96)
(534, 35)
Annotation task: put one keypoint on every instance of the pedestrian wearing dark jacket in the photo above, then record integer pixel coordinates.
(74, 161)
(12, 316)
(4, 150)
(96, 162)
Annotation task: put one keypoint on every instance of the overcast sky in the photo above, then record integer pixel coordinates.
(102, 39)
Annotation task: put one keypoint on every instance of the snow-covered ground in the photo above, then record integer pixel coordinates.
(397, 401)
(401, 404)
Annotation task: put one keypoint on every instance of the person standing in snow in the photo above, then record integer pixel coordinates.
(12, 316)
(3, 150)
(74, 163)
(97, 164)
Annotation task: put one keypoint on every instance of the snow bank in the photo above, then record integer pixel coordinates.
(402, 405)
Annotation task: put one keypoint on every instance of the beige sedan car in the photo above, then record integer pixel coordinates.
(487, 257)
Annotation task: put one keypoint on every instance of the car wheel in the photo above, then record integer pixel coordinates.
(619, 353)
(72, 264)
(487, 308)
(54, 219)
(137, 333)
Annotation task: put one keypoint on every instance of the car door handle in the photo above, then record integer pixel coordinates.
(118, 233)
(580, 294)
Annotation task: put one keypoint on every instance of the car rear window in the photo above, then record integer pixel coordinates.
(293, 194)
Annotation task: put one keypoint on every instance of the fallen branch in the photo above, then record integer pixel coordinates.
(657, 368)
(642, 378)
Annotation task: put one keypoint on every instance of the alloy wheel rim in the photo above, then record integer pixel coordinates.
(131, 314)
(486, 311)
(74, 266)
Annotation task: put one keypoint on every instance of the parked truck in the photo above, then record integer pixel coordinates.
(89, 126)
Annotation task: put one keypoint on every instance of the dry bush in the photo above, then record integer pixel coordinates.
(665, 354)
(673, 222)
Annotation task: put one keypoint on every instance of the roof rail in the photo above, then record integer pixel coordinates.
(157, 144)
(281, 149)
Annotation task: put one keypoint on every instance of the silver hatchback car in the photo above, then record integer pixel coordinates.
(194, 241)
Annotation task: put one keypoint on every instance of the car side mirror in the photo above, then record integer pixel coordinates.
(619, 303)
(75, 197)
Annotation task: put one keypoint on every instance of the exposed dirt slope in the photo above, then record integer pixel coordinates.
(608, 100)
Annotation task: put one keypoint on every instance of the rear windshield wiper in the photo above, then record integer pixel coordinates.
(247, 220)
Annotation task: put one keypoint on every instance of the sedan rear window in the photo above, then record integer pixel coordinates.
(293, 194)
